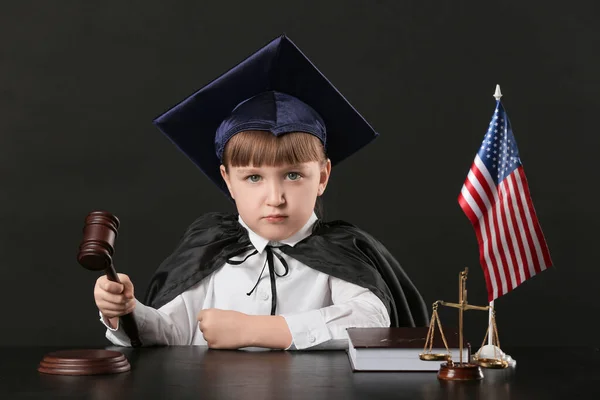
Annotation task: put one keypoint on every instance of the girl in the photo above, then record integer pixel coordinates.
(274, 275)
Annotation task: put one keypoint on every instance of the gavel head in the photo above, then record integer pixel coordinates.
(97, 246)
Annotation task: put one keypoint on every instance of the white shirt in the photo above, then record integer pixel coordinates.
(316, 306)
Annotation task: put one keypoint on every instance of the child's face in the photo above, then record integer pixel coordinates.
(276, 202)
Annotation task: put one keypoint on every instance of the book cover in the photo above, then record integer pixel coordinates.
(398, 349)
(400, 337)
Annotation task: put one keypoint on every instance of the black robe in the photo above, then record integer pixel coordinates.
(336, 248)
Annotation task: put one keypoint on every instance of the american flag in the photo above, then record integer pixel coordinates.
(495, 197)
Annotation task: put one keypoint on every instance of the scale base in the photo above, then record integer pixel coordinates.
(450, 371)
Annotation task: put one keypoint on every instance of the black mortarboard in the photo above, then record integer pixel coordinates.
(276, 89)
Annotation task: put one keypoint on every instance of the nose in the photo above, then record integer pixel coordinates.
(275, 195)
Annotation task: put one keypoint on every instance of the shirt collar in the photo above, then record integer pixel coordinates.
(260, 243)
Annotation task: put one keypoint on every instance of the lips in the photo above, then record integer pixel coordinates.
(275, 217)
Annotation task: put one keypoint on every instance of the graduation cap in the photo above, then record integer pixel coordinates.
(276, 89)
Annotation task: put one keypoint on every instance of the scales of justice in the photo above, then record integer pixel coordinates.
(489, 356)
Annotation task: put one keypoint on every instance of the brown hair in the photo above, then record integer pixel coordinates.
(260, 148)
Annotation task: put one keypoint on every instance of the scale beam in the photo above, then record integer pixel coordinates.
(463, 306)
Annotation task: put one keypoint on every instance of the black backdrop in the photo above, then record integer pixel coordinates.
(80, 83)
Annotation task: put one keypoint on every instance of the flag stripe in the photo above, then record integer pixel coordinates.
(529, 232)
(523, 229)
(518, 231)
(496, 245)
(490, 270)
(483, 230)
(492, 265)
(473, 212)
(466, 202)
(486, 180)
(509, 235)
(473, 187)
(545, 253)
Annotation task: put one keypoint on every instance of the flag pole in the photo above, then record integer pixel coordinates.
(497, 95)
(491, 328)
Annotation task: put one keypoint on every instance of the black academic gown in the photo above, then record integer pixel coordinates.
(336, 248)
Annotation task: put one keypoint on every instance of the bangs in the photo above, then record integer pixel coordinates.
(261, 148)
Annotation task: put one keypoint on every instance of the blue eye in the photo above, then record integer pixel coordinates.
(293, 176)
(253, 178)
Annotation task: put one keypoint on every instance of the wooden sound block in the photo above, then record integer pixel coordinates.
(84, 362)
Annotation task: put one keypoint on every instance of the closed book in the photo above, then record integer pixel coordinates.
(398, 349)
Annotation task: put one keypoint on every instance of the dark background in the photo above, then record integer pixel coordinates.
(80, 83)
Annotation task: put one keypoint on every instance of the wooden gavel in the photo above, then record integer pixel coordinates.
(95, 253)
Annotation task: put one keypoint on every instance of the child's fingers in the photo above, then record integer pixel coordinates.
(110, 286)
(108, 313)
(115, 309)
(125, 286)
(113, 298)
(128, 287)
(124, 278)
(105, 306)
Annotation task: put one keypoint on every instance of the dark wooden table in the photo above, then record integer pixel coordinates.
(199, 373)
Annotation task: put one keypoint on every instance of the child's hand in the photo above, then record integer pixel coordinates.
(223, 329)
(114, 299)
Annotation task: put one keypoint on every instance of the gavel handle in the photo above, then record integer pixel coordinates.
(128, 320)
